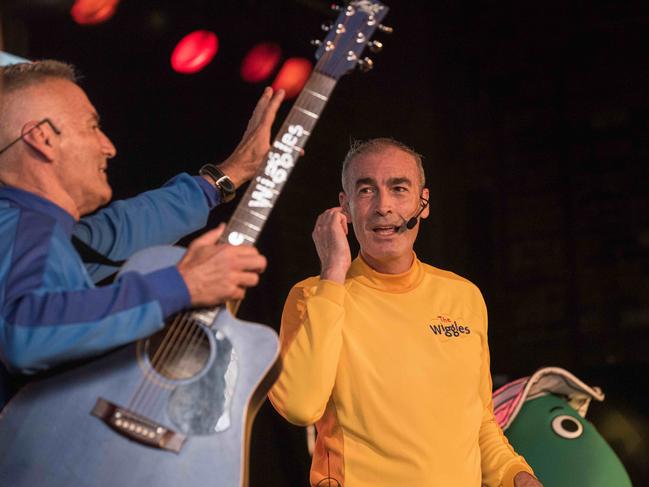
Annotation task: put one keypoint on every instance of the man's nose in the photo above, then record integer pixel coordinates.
(383, 203)
(107, 146)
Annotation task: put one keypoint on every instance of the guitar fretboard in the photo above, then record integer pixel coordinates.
(254, 209)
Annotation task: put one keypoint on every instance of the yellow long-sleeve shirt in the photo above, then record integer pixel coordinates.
(394, 371)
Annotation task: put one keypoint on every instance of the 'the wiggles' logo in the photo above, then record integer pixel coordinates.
(449, 328)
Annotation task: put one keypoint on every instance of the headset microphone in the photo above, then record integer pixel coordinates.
(412, 222)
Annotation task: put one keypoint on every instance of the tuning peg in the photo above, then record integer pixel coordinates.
(316, 42)
(326, 26)
(386, 29)
(365, 64)
(375, 46)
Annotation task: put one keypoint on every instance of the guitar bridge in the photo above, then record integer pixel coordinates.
(137, 427)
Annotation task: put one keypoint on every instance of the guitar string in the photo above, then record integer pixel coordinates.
(150, 375)
(166, 361)
(174, 360)
(151, 378)
(197, 336)
(176, 355)
(193, 344)
(187, 348)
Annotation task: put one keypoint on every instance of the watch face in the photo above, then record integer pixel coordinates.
(227, 185)
(227, 188)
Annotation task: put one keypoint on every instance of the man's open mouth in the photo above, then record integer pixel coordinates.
(385, 229)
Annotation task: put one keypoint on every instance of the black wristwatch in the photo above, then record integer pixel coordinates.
(223, 183)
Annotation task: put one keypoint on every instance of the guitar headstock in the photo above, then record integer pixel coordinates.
(349, 35)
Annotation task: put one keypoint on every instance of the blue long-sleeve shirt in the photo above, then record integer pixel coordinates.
(50, 309)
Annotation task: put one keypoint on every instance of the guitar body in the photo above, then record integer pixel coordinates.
(51, 433)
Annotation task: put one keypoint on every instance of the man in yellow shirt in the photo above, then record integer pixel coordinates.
(388, 356)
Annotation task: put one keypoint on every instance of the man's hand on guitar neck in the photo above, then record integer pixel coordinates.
(215, 273)
(244, 162)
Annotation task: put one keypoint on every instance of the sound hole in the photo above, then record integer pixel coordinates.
(180, 351)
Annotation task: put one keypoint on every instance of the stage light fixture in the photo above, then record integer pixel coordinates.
(194, 51)
(91, 12)
(260, 62)
(292, 76)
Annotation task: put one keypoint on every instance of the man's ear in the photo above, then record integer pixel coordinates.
(426, 195)
(344, 204)
(40, 138)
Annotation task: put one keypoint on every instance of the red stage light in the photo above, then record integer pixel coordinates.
(194, 51)
(90, 12)
(292, 76)
(260, 62)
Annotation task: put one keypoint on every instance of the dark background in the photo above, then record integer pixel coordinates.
(533, 119)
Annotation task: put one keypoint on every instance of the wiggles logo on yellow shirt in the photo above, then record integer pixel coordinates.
(448, 327)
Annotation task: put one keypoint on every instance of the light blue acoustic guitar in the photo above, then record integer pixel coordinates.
(176, 409)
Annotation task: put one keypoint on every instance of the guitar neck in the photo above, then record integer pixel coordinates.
(338, 54)
(254, 209)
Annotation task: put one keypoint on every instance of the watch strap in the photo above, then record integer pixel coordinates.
(221, 181)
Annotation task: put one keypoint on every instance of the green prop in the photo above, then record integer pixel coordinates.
(543, 416)
(563, 448)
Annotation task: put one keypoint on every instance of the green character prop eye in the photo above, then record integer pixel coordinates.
(567, 427)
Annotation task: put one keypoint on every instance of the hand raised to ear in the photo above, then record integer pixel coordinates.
(330, 238)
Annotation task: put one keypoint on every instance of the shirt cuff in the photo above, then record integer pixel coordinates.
(213, 196)
(169, 288)
(512, 471)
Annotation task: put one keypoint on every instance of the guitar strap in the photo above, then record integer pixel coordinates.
(91, 256)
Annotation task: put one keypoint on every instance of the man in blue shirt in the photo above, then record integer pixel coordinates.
(53, 162)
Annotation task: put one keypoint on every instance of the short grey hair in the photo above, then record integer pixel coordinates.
(23, 75)
(15, 78)
(361, 147)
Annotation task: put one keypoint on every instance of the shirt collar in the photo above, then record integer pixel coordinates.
(394, 283)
